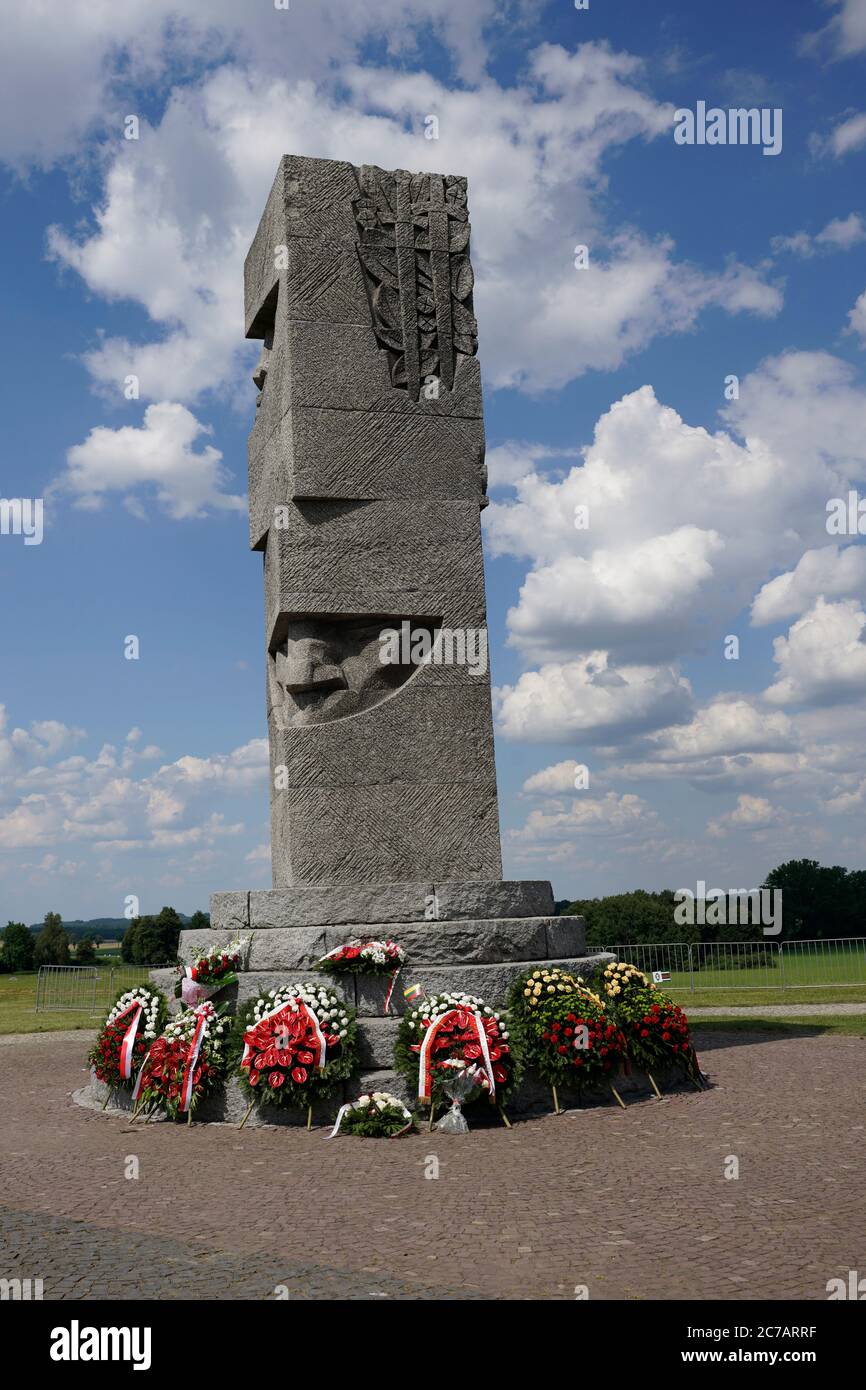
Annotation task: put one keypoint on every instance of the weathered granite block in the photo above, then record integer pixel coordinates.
(442, 943)
(384, 904)
(230, 913)
(496, 898)
(490, 981)
(356, 903)
(297, 948)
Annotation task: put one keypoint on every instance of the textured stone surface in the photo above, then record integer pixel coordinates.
(230, 913)
(370, 392)
(426, 943)
(505, 898)
(385, 904)
(490, 982)
(550, 1203)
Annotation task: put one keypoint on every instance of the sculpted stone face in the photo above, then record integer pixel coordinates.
(328, 668)
(261, 372)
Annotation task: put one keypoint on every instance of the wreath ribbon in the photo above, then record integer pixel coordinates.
(425, 1069)
(202, 1013)
(129, 1037)
(394, 974)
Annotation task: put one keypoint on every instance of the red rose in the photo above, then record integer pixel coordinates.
(276, 1079)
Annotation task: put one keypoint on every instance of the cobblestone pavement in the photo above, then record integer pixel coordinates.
(633, 1204)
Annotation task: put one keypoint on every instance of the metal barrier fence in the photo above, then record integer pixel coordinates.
(84, 988)
(838, 964)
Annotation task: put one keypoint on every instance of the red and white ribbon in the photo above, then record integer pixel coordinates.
(287, 1008)
(203, 1013)
(126, 1047)
(425, 1069)
(394, 974)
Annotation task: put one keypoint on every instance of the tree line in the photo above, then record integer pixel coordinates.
(151, 940)
(819, 902)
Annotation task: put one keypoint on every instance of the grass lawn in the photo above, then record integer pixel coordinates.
(18, 1002)
(849, 1024)
(719, 998)
(799, 966)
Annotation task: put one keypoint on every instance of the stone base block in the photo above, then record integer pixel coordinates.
(473, 942)
(380, 903)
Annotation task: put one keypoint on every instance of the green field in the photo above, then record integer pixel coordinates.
(799, 969)
(18, 1001)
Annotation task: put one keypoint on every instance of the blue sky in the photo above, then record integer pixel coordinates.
(603, 386)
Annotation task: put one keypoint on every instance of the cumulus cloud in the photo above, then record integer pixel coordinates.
(21, 749)
(681, 526)
(857, 318)
(845, 34)
(159, 457)
(823, 658)
(750, 813)
(590, 701)
(840, 234)
(179, 208)
(831, 572)
(610, 815)
(102, 803)
(845, 138)
(61, 81)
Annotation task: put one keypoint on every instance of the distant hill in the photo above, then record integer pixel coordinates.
(111, 928)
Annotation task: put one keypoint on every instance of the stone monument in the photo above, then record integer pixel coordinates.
(366, 485)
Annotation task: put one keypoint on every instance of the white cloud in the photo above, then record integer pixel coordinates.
(823, 658)
(840, 234)
(61, 80)
(96, 801)
(750, 813)
(180, 207)
(610, 815)
(552, 780)
(845, 138)
(590, 701)
(684, 525)
(845, 35)
(831, 572)
(22, 748)
(509, 462)
(857, 318)
(159, 457)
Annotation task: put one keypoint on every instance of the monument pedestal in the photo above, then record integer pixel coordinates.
(292, 928)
